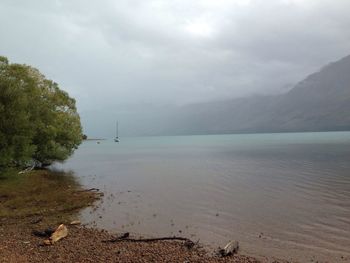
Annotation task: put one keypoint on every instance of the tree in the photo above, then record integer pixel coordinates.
(15, 130)
(38, 121)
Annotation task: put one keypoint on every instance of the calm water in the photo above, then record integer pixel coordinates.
(286, 195)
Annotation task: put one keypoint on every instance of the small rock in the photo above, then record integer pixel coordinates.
(75, 222)
(189, 244)
(230, 249)
(124, 235)
(36, 220)
(47, 242)
(46, 233)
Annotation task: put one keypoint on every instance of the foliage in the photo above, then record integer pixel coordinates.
(38, 121)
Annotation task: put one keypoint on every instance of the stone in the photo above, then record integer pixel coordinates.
(230, 249)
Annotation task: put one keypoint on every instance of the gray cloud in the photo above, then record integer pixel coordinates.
(120, 57)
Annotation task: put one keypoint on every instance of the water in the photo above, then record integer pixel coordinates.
(285, 195)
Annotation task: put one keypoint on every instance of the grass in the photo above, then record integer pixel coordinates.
(52, 195)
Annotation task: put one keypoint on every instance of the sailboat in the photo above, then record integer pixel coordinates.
(116, 139)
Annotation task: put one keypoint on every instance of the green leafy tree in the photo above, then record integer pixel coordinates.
(15, 128)
(38, 121)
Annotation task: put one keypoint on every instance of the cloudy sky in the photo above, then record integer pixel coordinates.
(118, 56)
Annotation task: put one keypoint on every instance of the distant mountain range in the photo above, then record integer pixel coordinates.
(321, 102)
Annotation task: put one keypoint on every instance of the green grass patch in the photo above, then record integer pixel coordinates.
(41, 193)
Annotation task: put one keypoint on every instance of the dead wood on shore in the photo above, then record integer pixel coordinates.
(125, 238)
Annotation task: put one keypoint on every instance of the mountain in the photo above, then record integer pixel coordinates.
(321, 102)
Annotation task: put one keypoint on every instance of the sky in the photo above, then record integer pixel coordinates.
(119, 59)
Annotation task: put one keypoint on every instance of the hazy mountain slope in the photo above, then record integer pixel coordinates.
(321, 102)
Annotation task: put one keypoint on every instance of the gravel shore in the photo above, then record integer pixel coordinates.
(18, 244)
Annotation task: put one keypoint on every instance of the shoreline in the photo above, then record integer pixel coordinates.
(83, 244)
(56, 199)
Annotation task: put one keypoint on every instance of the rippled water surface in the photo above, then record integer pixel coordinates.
(286, 195)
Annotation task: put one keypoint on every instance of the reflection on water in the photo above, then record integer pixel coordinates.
(286, 195)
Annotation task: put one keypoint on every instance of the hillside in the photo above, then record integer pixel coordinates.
(320, 102)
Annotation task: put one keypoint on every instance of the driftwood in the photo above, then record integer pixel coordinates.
(60, 232)
(90, 190)
(230, 249)
(54, 235)
(125, 238)
(28, 169)
(33, 164)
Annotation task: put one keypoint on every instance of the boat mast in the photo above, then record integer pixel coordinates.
(116, 130)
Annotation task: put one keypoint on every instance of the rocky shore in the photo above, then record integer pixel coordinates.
(18, 244)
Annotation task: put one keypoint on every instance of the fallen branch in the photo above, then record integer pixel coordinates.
(28, 169)
(30, 166)
(124, 238)
(118, 239)
(90, 190)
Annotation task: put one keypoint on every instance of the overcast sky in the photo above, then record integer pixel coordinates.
(113, 56)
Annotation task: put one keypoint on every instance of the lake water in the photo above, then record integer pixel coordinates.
(286, 195)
